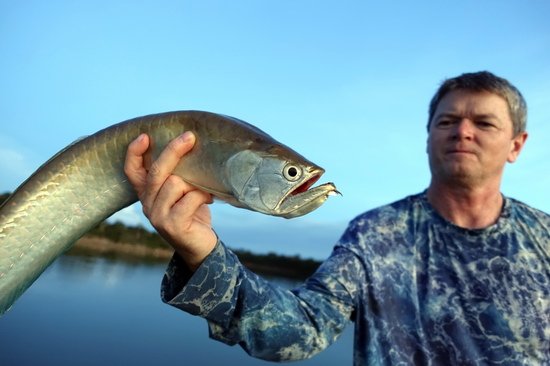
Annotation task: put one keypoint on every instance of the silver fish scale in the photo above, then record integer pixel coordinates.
(48, 214)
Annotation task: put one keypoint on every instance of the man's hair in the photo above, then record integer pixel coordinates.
(488, 82)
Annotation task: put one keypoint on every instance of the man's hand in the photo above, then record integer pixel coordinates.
(177, 210)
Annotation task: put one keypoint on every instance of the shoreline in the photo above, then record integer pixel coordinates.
(270, 265)
(99, 246)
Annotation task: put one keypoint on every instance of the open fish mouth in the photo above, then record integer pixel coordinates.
(306, 185)
(304, 199)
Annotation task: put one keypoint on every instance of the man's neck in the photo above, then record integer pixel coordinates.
(470, 208)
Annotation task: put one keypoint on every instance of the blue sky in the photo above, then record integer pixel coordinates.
(345, 83)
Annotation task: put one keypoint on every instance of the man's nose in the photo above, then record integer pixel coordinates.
(464, 129)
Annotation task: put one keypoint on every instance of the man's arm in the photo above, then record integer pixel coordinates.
(267, 321)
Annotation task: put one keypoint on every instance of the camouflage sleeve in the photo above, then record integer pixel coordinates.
(269, 322)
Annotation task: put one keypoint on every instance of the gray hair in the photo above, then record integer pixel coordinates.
(488, 82)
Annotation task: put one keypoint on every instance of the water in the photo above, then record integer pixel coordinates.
(93, 311)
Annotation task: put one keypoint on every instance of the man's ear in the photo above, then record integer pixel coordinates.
(516, 145)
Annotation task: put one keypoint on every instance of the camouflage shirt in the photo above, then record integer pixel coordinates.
(419, 290)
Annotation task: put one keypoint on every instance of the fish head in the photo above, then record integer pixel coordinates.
(276, 182)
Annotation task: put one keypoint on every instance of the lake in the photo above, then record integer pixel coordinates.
(95, 311)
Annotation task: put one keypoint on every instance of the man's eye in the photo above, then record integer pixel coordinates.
(484, 124)
(444, 123)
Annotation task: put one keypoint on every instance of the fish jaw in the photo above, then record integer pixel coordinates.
(302, 203)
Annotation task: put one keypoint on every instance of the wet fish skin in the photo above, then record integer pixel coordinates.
(85, 183)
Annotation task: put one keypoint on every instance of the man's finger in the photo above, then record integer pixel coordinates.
(162, 168)
(133, 165)
(171, 192)
(189, 205)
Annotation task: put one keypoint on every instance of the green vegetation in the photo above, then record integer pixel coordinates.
(118, 233)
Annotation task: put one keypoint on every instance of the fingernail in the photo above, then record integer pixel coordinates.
(139, 139)
(187, 136)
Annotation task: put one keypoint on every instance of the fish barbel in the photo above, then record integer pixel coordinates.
(85, 183)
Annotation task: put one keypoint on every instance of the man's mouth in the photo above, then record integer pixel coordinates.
(460, 151)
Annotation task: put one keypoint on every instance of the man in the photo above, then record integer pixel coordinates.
(455, 275)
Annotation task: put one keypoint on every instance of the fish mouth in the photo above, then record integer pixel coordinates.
(306, 185)
(304, 199)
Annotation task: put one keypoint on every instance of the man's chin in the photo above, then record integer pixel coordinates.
(461, 177)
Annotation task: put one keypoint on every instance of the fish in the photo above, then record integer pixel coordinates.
(84, 184)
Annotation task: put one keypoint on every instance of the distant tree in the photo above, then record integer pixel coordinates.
(120, 233)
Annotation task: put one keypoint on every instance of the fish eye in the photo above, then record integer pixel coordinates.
(292, 172)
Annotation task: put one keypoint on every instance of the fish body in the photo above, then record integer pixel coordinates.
(85, 183)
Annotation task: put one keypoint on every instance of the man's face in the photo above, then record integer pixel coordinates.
(471, 138)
